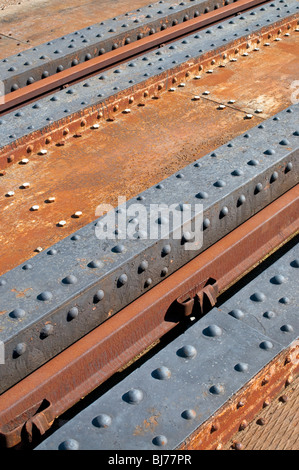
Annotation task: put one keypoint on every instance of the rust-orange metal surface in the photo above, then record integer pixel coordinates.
(244, 406)
(137, 150)
(275, 427)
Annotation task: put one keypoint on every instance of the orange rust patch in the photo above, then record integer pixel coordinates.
(20, 293)
(148, 425)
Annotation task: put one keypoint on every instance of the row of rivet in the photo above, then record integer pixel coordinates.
(131, 99)
(212, 331)
(135, 396)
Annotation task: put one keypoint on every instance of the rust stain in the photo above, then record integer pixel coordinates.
(148, 425)
(2, 312)
(21, 293)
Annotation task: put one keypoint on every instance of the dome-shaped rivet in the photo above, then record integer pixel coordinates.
(287, 328)
(278, 279)
(258, 297)
(46, 331)
(236, 313)
(269, 314)
(295, 263)
(217, 389)
(220, 184)
(44, 296)
(166, 250)
(102, 421)
(187, 351)
(99, 295)
(284, 300)
(133, 396)
(72, 314)
(123, 279)
(241, 367)
(118, 249)
(17, 313)
(95, 264)
(19, 349)
(266, 345)
(212, 331)
(188, 414)
(162, 373)
(160, 441)
(71, 279)
(69, 444)
(143, 266)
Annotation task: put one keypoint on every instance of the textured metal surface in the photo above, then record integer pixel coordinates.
(31, 406)
(95, 96)
(276, 427)
(98, 278)
(82, 45)
(147, 145)
(160, 404)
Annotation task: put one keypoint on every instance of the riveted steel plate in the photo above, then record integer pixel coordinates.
(96, 92)
(169, 396)
(276, 307)
(59, 54)
(63, 293)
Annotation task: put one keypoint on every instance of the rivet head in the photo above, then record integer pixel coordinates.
(217, 389)
(220, 184)
(266, 345)
(278, 279)
(236, 313)
(160, 441)
(19, 349)
(118, 248)
(102, 421)
(123, 279)
(215, 426)
(143, 266)
(133, 396)
(187, 352)
(258, 297)
(99, 296)
(95, 264)
(261, 422)
(212, 331)
(17, 313)
(71, 279)
(269, 152)
(188, 414)
(287, 328)
(69, 444)
(295, 263)
(241, 367)
(46, 331)
(258, 188)
(44, 296)
(202, 195)
(72, 314)
(162, 373)
(166, 250)
(269, 314)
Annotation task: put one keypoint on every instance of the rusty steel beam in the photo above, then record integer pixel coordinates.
(114, 57)
(238, 412)
(35, 402)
